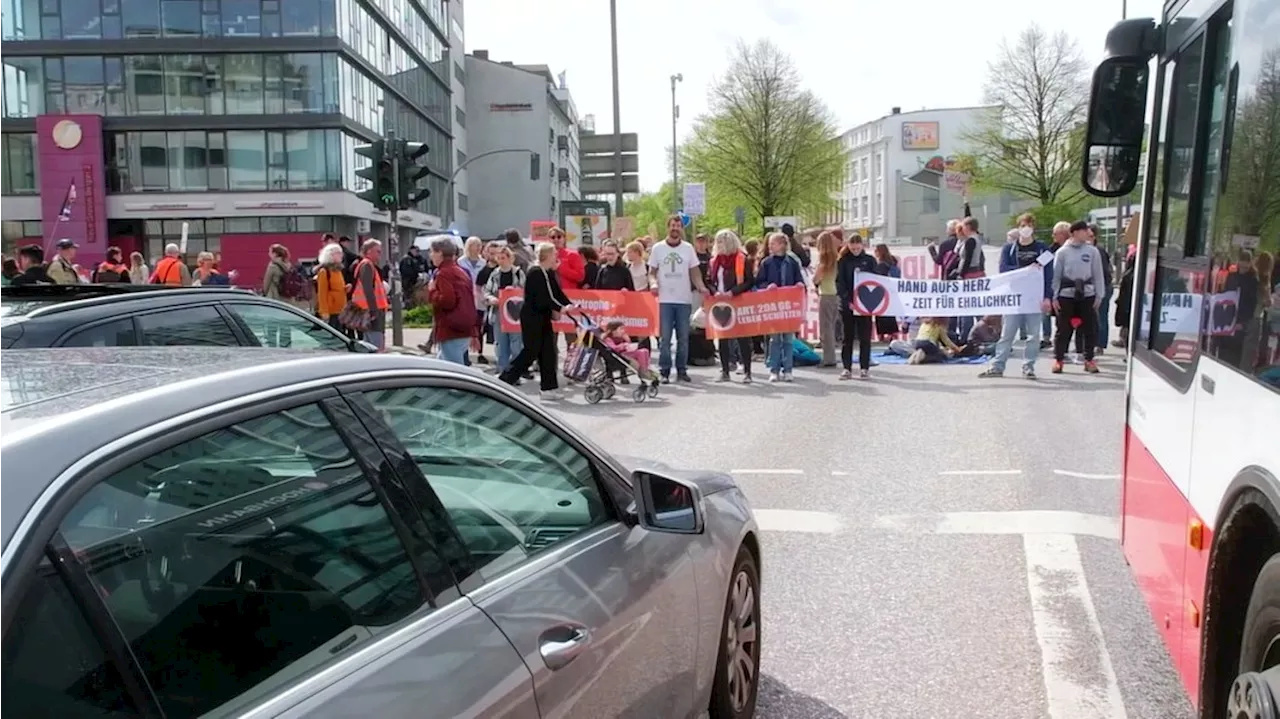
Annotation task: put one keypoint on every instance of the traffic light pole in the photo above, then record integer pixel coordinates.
(393, 250)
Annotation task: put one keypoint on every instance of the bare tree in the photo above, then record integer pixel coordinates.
(766, 141)
(1031, 148)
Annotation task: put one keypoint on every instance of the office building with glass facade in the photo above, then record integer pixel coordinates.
(240, 117)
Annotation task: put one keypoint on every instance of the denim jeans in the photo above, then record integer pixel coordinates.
(781, 353)
(1104, 324)
(377, 339)
(454, 350)
(1013, 326)
(673, 318)
(509, 345)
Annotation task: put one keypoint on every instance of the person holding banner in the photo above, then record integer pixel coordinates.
(856, 326)
(780, 269)
(675, 271)
(732, 273)
(1025, 252)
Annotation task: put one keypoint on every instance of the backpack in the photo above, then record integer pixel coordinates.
(294, 285)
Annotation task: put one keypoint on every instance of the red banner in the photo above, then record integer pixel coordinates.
(538, 230)
(755, 313)
(637, 310)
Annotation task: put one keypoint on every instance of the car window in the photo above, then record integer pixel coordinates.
(117, 333)
(509, 483)
(275, 327)
(184, 326)
(239, 560)
(53, 665)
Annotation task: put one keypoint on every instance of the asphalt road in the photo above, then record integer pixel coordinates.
(935, 544)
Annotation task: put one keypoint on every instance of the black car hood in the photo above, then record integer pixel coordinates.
(708, 481)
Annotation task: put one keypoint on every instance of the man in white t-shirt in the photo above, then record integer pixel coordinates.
(674, 271)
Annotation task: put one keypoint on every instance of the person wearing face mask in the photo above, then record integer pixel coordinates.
(1078, 285)
(852, 261)
(1024, 252)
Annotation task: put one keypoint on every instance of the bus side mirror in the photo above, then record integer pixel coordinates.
(1117, 122)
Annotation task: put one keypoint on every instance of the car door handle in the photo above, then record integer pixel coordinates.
(1207, 383)
(562, 644)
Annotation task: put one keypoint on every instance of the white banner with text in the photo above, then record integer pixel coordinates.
(1012, 293)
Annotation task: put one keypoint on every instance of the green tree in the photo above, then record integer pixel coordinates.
(1031, 147)
(651, 210)
(1251, 204)
(766, 143)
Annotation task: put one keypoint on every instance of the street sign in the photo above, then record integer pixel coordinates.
(740, 215)
(695, 198)
(775, 222)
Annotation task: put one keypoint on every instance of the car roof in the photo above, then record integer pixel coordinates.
(57, 405)
(42, 301)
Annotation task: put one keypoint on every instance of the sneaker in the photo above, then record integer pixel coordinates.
(527, 375)
(864, 374)
(1098, 350)
(625, 380)
(774, 377)
(683, 377)
(787, 377)
(1091, 367)
(1029, 373)
(666, 379)
(549, 395)
(1057, 367)
(724, 377)
(746, 379)
(847, 374)
(481, 359)
(991, 372)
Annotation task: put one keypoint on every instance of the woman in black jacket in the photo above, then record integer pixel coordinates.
(852, 261)
(612, 274)
(543, 303)
(732, 273)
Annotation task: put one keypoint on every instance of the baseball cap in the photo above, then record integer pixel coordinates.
(66, 244)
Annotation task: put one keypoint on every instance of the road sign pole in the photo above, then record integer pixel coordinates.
(393, 250)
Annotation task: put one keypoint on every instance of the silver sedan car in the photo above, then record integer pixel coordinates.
(210, 532)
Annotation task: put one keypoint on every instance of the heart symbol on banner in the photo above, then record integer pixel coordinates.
(512, 309)
(723, 315)
(871, 297)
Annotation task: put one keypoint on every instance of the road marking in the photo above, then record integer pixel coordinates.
(766, 471)
(993, 472)
(1079, 681)
(1026, 522)
(836, 473)
(794, 520)
(1084, 475)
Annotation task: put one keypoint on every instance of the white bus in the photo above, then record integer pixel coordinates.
(1201, 500)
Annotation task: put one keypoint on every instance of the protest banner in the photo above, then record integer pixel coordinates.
(637, 310)
(538, 230)
(1013, 293)
(755, 313)
(1181, 313)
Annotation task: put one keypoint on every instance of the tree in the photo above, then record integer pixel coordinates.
(766, 143)
(1251, 204)
(1033, 146)
(651, 210)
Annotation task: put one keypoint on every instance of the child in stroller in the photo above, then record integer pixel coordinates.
(619, 356)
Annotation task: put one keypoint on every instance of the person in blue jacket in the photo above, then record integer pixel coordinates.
(1024, 252)
(852, 261)
(779, 269)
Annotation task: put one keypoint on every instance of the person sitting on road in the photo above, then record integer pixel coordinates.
(930, 345)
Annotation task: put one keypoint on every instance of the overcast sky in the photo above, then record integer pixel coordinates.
(862, 57)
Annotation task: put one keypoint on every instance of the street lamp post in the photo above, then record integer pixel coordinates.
(617, 112)
(675, 115)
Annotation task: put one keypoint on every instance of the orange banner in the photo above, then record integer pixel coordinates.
(637, 310)
(755, 313)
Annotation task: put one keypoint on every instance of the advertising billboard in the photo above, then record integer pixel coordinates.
(585, 223)
(919, 136)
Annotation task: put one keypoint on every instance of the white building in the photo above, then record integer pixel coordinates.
(520, 108)
(887, 190)
(458, 84)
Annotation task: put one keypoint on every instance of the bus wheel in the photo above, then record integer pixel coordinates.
(1255, 691)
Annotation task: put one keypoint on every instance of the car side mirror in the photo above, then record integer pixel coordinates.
(363, 347)
(665, 504)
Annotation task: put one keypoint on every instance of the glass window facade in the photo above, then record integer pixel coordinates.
(117, 19)
(206, 235)
(232, 160)
(232, 84)
(19, 171)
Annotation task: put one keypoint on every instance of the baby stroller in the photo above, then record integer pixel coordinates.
(591, 361)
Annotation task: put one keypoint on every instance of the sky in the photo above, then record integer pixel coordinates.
(862, 57)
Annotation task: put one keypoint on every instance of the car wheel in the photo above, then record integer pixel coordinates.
(1250, 694)
(737, 679)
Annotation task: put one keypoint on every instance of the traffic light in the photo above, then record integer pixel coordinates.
(411, 173)
(380, 174)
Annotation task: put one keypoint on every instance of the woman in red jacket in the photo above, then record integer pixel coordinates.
(453, 303)
(572, 270)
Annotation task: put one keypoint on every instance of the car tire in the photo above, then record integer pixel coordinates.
(731, 698)
(1259, 647)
